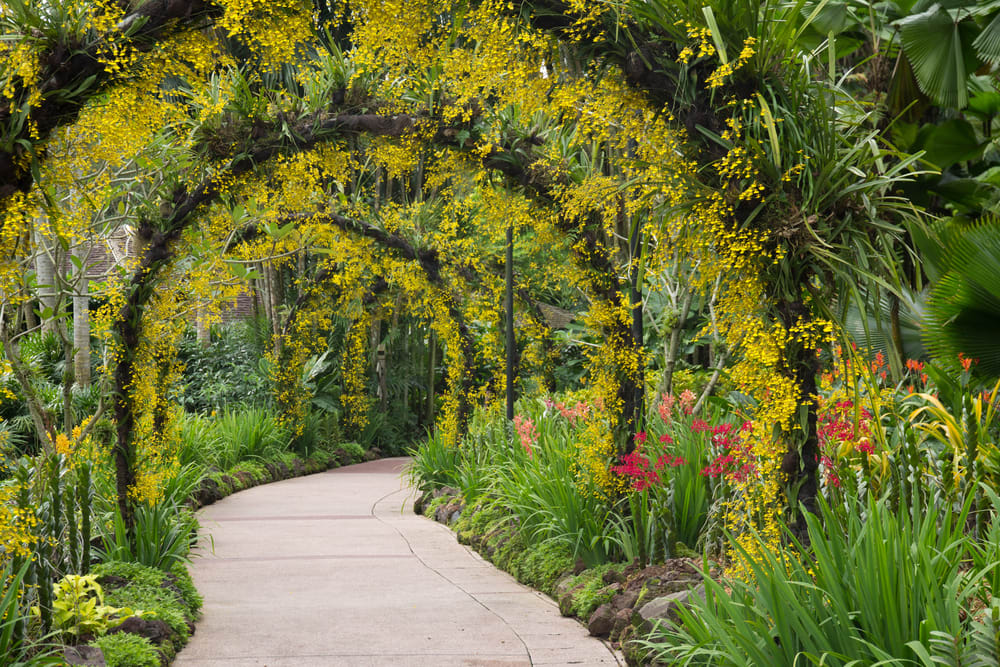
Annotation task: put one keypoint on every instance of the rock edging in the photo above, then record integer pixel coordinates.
(619, 604)
(218, 484)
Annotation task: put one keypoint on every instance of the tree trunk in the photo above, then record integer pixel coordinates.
(801, 461)
(673, 344)
(44, 429)
(30, 317)
(431, 363)
(274, 300)
(81, 320)
(635, 300)
(45, 274)
(202, 332)
(510, 345)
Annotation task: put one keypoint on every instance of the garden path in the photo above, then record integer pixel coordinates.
(334, 569)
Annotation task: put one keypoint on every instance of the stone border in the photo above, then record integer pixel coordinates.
(218, 484)
(635, 599)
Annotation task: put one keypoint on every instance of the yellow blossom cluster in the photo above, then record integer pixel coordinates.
(727, 69)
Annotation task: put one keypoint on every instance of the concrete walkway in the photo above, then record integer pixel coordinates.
(335, 570)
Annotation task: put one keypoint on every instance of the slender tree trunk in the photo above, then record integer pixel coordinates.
(405, 364)
(202, 332)
(801, 462)
(39, 417)
(673, 344)
(256, 294)
(81, 320)
(637, 416)
(67, 385)
(431, 364)
(511, 348)
(45, 273)
(30, 317)
(274, 307)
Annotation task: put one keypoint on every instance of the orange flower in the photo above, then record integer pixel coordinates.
(966, 361)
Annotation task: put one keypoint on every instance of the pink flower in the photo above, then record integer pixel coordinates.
(687, 401)
(526, 432)
(666, 407)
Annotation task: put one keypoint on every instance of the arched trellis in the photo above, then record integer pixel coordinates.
(158, 253)
(473, 111)
(431, 265)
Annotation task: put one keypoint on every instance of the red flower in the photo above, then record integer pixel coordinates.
(699, 426)
(636, 467)
(666, 439)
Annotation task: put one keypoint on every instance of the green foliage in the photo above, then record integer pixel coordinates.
(182, 581)
(873, 586)
(170, 597)
(541, 565)
(127, 650)
(479, 517)
(963, 310)
(320, 431)
(16, 649)
(249, 434)
(78, 607)
(239, 434)
(167, 596)
(155, 601)
(164, 534)
(435, 464)
(177, 488)
(227, 373)
(590, 589)
(131, 571)
(355, 451)
(432, 507)
(545, 496)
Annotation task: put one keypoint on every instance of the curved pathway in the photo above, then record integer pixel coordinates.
(334, 569)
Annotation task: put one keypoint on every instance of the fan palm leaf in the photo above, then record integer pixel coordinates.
(939, 47)
(963, 310)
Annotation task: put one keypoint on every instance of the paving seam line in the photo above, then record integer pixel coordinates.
(438, 573)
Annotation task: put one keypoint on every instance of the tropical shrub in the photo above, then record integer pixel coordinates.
(162, 536)
(230, 371)
(872, 586)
